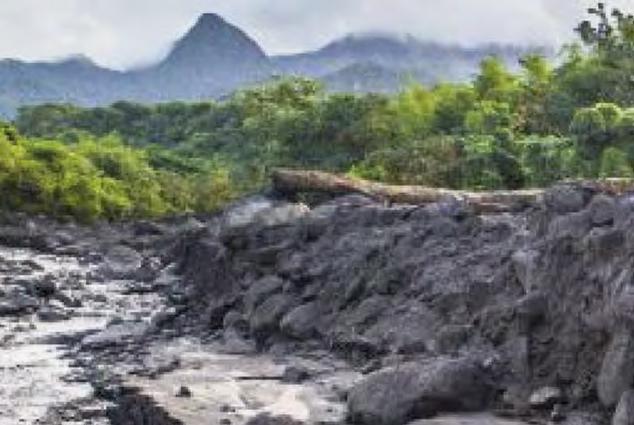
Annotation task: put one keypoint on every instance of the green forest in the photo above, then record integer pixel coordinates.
(502, 130)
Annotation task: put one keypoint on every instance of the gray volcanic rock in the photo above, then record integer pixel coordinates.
(396, 395)
(540, 294)
(301, 322)
(16, 302)
(624, 414)
(115, 335)
(122, 262)
(617, 371)
(267, 419)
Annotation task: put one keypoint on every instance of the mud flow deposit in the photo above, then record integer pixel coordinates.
(345, 312)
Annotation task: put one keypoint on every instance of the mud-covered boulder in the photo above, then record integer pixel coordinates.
(396, 395)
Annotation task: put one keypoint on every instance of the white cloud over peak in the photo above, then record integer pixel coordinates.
(123, 33)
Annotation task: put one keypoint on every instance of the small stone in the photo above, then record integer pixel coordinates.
(183, 392)
(225, 421)
(557, 415)
(295, 375)
(545, 398)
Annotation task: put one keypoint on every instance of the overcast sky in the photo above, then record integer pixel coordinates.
(124, 33)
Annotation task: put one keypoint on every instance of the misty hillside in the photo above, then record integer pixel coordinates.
(214, 58)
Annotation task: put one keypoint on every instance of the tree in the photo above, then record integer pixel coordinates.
(495, 82)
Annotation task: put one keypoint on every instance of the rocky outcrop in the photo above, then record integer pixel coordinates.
(540, 296)
(529, 314)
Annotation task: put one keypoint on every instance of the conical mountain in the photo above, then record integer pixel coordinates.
(214, 56)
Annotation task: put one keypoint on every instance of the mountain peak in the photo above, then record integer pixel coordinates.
(209, 21)
(214, 55)
(213, 39)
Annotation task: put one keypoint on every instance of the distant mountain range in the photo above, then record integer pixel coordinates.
(215, 58)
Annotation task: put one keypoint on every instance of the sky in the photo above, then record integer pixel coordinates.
(126, 33)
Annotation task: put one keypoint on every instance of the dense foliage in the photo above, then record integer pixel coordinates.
(502, 130)
(92, 178)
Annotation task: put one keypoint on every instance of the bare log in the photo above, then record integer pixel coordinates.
(297, 181)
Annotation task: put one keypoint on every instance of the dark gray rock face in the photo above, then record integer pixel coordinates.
(397, 395)
(617, 371)
(444, 310)
(624, 414)
(544, 295)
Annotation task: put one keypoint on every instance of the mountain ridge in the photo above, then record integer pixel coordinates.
(215, 58)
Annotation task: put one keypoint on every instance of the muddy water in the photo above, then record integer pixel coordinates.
(35, 368)
(235, 388)
(38, 368)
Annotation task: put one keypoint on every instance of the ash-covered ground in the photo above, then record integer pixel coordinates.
(346, 312)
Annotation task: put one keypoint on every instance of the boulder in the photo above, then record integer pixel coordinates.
(602, 210)
(564, 199)
(44, 287)
(575, 225)
(624, 414)
(617, 371)
(121, 262)
(260, 290)
(405, 331)
(264, 212)
(545, 398)
(396, 395)
(266, 318)
(602, 243)
(235, 343)
(16, 302)
(115, 335)
(301, 322)
(235, 321)
(296, 374)
(51, 314)
(525, 266)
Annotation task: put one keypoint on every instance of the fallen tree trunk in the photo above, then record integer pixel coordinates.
(298, 181)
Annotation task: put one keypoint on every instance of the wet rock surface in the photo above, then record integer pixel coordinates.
(342, 313)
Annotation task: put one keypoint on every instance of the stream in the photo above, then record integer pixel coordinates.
(54, 352)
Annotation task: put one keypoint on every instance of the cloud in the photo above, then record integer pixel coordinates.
(122, 33)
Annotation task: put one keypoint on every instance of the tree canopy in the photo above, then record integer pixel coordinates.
(501, 130)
